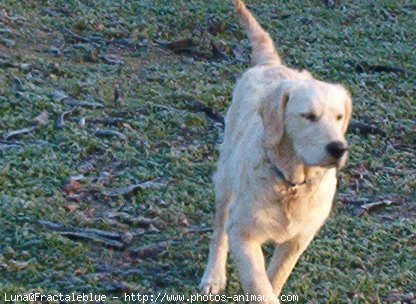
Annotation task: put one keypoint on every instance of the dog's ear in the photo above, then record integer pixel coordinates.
(272, 112)
(348, 111)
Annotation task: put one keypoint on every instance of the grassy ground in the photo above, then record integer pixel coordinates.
(114, 53)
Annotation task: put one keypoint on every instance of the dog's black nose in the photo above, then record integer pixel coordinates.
(336, 149)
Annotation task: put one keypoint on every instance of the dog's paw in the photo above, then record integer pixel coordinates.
(212, 283)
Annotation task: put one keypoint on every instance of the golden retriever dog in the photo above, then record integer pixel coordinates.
(284, 141)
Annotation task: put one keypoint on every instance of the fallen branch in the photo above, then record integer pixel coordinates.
(397, 297)
(198, 230)
(365, 208)
(86, 104)
(78, 38)
(8, 145)
(109, 121)
(140, 221)
(107, 238)
(364, 67)
(22, 143)
(178, 46)
(110, 133)
(183, 46)
(212, 114)
(61, 96)
(151, 250)
(61, 120)
(111, 59)
(7, 62)
(15, 133)
(79, 235)
(163, 107)
(127, 43)
(363, 128)
(100, 41)
(152, 184)
(365, 205)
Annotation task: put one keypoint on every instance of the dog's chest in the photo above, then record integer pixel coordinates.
(298, 211)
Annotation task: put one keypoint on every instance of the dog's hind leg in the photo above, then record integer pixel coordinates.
(284, 259)
(215, 278)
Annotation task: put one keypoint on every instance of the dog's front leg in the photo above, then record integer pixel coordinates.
(214, 279)
(250, 263)
(284, 259)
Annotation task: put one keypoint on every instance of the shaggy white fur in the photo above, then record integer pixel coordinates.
(276, 177)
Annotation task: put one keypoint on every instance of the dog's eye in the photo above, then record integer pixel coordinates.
(309, 116)
(339, 117)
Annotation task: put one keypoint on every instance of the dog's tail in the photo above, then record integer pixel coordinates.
(263, 50)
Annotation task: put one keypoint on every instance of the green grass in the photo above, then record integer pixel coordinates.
(354, 259)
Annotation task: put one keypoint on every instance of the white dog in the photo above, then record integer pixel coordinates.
(276, 178)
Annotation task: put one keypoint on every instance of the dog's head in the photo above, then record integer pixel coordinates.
(313, 116)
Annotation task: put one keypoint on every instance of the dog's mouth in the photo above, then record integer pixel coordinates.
(336, 163)
(330, 163)
(327, 165)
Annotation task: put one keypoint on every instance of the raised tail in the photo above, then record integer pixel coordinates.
(263, 50)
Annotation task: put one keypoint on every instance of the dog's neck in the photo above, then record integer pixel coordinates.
(289, 167)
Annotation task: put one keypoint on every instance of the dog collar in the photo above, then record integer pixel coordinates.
(281, 176)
